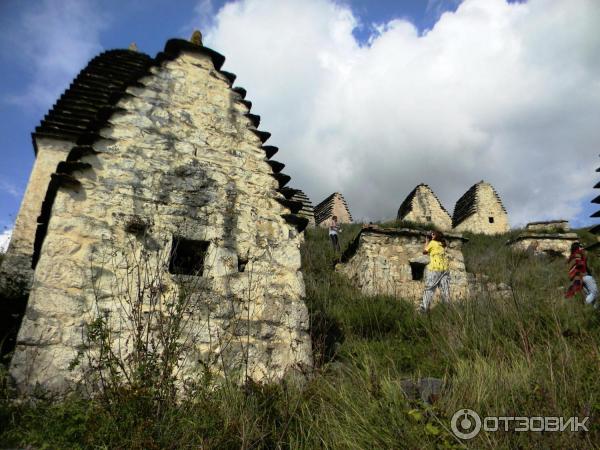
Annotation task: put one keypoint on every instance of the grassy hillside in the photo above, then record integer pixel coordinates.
(532, 353)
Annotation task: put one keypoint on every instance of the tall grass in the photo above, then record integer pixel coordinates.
(529, 352)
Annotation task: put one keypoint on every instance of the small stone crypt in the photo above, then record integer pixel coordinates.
(390, 261)
(157, 164)
(549, 238)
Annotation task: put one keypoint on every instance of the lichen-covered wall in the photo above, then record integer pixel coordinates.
(380, 263)
(548, 244)
(16, 272)
(487, 205)
(340, 210)
(426, 209)
(180, 160)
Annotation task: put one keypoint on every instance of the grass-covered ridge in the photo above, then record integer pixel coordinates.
(529, 354)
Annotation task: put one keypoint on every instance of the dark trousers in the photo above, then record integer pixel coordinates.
(335, 242)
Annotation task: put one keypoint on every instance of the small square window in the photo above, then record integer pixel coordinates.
(553, 254)
(242, 262)
(491, 219)
(428, 218)
(417, 270)
(187, 256)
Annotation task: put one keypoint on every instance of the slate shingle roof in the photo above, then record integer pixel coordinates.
(92, 93)
(596, 229)
(307, 209)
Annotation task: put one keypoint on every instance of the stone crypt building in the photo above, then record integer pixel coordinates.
(156, 166)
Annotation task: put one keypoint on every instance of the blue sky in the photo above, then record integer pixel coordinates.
(43, 44)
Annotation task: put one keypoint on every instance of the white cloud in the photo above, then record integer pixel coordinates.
(509, 93)
(435, 8)
(4, 240)
(204, 13)
(54, 39)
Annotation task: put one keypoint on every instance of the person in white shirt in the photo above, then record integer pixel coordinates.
(334, 229)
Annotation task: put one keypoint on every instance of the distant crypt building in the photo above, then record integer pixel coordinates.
(157, 165)
(480, 210)
(423, 206)
(334, 205)
(549, 238)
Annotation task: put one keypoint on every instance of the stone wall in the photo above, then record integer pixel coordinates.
(545, 243)
(180, 162)
(386, 261)
(485, 214)
(16, 272)
(422, 206)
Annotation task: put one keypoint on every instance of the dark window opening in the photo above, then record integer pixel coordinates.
(136, 225)
(187, 256)
(417, 270)
(553, 253)
(428, 218)
(491, 219)
(242, 264)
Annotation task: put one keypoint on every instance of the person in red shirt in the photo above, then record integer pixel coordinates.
(580, 276)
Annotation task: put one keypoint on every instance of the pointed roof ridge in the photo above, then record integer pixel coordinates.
(436, 197)
(466, 205)
(325, 207)
(406, 205)
(89, 102)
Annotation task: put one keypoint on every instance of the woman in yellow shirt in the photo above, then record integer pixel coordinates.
(437, 273)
